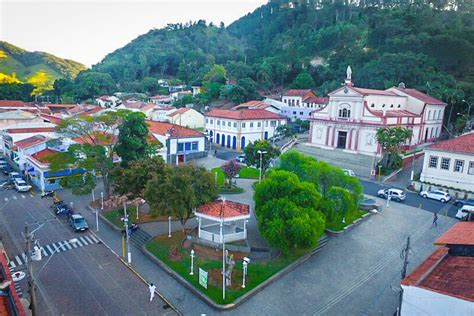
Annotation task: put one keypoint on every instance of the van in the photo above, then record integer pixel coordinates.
(463, 213)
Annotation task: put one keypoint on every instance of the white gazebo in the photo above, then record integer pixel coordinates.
(223, 220)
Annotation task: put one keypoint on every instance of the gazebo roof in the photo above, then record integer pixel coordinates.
(224, 209)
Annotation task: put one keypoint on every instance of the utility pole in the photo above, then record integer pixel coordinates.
(404, 256)
(31, 280)
(127, 236)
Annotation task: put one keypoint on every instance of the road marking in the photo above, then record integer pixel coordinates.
(17, 284)
(6, 199)
(14, 197)
(22, 196)
(59, 246)
(32, 195)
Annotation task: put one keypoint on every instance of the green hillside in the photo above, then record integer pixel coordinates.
(40, 69)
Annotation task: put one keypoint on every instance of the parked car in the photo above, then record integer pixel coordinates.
(22, 186)
(3, 163)
(13, 176)
(395, 194)
(240, 158)
(349, 172)
(462, 202)
(436, 195)
(78, 223)
(6, 169)
(463, 212)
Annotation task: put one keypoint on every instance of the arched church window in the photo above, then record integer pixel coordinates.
(372, 105)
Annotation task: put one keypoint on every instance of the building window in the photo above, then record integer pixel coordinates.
(266, 123)
(235, 124)
(218, 122)
(259, 124)
(251, 125)
(228, 124)
(273, 123)
(194, 146)
(212, 121)
(207, 121)
(383, 105)
(458, 165)
(471, 167)
(433, 162)
(187, 146)
(180, 147)
(243, 125)
(372, 105)
(445, 163)
(399, 106)
(301, 113)
(391, 105)
(344, 113)
(294, 112)
(297, 102)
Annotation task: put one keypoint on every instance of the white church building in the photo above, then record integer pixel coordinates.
(352, 116)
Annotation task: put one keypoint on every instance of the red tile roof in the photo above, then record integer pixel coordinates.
(227, 209)
(42, 155)
(13, 103)
(162, 128)
(317, 100)
(147, 107)
(51, 118)
(66, 106)
(159, 97)
(297, 92)
(31, 141)
(179, 111)
(421, 96)
(445, 274)
(461, 233)
(28, 130)
(462, 144)
(244, 114)
(20, 310)
(98, 137)
(364, 91)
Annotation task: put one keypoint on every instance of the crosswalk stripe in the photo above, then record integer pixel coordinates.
(18, 260)
(74, 244)
(83, 240)
(78, 242)
(14, 197)
(68, 246)
(50, 249)
(6, 199)
(62, 246)
(12, 265)
(94, 239)
(56, 248)
(24, 257)
(22, 196)
(88, 239)
(44, 252)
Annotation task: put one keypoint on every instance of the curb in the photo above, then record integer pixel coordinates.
(339, 233)
(136, 273)
(393, 174)
(105, 219)
(242, 298)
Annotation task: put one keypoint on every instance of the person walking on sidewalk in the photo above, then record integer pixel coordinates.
(435, 220)
(152, 289)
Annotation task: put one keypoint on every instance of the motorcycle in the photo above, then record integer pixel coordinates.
(47, 194)
(63, 210)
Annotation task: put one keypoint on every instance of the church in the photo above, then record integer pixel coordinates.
(352, 116)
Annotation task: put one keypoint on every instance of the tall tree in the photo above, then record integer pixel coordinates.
(390, 140)
(252, 156)
(133, 138)
(230, 169)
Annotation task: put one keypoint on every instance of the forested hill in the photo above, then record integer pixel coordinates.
(428, 44)
(38, 68)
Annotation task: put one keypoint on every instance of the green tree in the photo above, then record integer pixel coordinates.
(149, 85)
(16, 91)
(216, 74)
(252, 156)
(287, 211)
(93, 152)
(133, 138)
(338, 204)
(183, 188)
(303, 81)
(390, 140)
(284, 130)
(90, 84)
(230, 170)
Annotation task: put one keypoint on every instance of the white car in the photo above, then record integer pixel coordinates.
(436, 195)
(395, 194)
(349, 172)
(22, 186)
(240, 158)
(464, 211)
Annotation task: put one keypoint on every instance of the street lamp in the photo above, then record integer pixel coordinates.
(261, 153)
(245, 263)
(102, 201)
(192, 262)
(469, 108)
(169, 226)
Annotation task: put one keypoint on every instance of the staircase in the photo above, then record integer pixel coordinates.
(139, 238)
(321, 243)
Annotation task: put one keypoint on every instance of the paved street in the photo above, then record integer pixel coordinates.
(81, 278)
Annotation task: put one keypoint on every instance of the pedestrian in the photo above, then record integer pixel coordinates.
(215, 152)
(152, 289)
(435, 219)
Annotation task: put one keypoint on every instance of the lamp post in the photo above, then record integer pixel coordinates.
(192, 262)
(389, 197)
(261, 153)
(127, 236)
(102, 201)
(169, 226)
(469, 108)
(245, 263)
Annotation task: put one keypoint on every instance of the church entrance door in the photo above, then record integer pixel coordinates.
(341, 139)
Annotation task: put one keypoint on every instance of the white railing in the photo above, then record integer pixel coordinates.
(217, 237)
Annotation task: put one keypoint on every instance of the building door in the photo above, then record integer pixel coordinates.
(180, 159)
(265, 136)
(228, 141)
(223, 140)
(426, 134)
(341, 139)
(242, 143)
(218, 139)
(234, 142)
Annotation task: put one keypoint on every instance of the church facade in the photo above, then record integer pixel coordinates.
(352, 116)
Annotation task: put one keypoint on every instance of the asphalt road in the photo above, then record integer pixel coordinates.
(82, 279)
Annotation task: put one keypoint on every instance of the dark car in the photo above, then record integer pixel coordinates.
(78, 223)
(463, 202)
(6, 169)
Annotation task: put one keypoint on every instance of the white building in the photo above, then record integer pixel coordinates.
(443, 283)
(298, 104)
(180, 144)
(351, 118)
(237, 128)
(161, 100)
(108, 101)
(187, 117)
(450, 163)
(160, 114)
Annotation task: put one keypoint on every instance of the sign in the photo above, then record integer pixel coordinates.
(203, 278)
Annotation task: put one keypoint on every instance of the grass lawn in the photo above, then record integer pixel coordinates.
(245, 173)
(337, 224)
(257, 271)
(114, 216)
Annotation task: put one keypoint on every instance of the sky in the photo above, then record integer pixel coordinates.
(86, 31)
